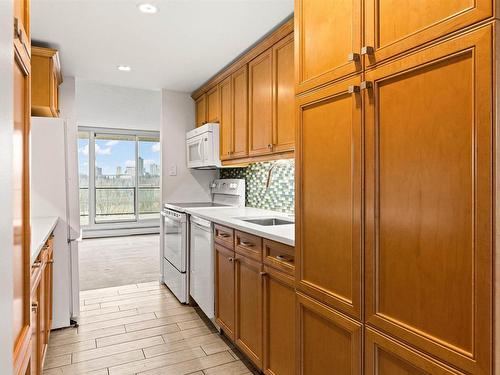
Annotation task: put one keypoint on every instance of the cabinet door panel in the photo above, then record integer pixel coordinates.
(260, 103)
(279, 323)
(327, 342)
(201, 110)
(248, 305)
(224, 289)
(226, 118)
(395, 26)
(240, 113)
(428, 206)
(213, 105)
(328, 222)
(386, 356)
(326, 32)
(284, 96)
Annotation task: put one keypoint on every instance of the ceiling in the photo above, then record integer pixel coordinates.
(178, 48)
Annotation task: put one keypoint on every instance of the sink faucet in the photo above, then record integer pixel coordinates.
(270, 172)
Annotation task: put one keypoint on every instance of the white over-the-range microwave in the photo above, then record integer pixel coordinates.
(202, 145)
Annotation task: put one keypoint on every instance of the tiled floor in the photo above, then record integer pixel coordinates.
(140, 329)
(114, 261)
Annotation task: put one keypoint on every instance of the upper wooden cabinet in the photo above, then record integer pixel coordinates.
(201, 110)
(327, 41)
(392, 27)
(239, 81)
(329, 162)
(213, 105)
(327, 342)
(284, 96)
(226, 118)
(46, 78)
(260, 104)
(429, 203)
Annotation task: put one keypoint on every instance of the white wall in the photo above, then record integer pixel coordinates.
(101, 105)
(6, 124)
(188, 184)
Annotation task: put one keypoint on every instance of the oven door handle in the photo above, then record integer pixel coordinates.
(164, 214)
(203, 228)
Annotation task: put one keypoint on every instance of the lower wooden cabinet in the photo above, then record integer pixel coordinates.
(248, 307)
(279, 323)
(328, 342)
(384, 355)
(35, 362)
(224, 289)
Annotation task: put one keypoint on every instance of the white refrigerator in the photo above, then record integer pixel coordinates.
(55, 192)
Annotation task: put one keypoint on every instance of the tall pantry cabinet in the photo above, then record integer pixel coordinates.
(395, 187)
(22, 309)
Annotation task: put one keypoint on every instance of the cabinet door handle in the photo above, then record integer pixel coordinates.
(224, 235)
(246, 244)
(366, 85)
(353, 57)
(269, 146)
(353, 88)
(263, 274)
(50, 261)
(284, 258)
(37, 264)
(34, 306)
(367, 50)
(231, 259)
(17, 28)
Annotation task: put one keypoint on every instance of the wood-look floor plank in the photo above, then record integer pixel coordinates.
(57, 361)
(160, 322)
(55, 350)
(107, 316)
(99, 311)
(191, 342)
(136, 335)
(102, 363)
(231, 368)
(79, 336)
(117, 322)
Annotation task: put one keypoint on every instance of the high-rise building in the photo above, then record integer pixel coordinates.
(118, 171)
(98, 171)
(140, 166)
(154, 169)
(130, 171)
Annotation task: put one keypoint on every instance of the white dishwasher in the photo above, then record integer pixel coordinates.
(201, 281)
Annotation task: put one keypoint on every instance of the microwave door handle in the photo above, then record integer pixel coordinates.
(199, 149)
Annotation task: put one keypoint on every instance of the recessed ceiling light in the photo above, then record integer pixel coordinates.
(148, 8)
(124, 68)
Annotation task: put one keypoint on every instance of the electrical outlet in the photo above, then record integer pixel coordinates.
(172, 171)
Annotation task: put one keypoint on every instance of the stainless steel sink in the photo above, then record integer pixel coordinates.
(268, 221)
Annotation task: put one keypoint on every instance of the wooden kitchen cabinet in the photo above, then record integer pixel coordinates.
(36, 344)
(21, 303)
(224, 289)
(327, 41)
(213, 105)
(46, 78)
(429, 266)
(384, 355)
(329, 165)
(392, 27)
(279, 323)
(226, 118)
(327, 341)
(283, 96)
(248, 307)
(201, 110)
(239, 81)
(260, 104)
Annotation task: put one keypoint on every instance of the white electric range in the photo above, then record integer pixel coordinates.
(187, 251)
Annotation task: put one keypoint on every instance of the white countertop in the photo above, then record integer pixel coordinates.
(230, 217)
(41, 228)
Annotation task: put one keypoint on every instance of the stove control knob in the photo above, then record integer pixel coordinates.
(233, 185)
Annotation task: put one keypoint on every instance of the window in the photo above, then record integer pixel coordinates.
(124, 183)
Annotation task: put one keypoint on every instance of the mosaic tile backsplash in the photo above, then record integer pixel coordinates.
(281, 192)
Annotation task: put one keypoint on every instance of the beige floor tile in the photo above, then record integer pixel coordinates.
(182, 335)
(173, 311)
(115, 349)
(232, 368)
(83, 307)
(136, 293)
(184, 344)
(57, 361)
(138, 301)
(191, 365)
(53, 371)
(99, 311)
(82, 336)
(194, 323)
(54, 350)
(215, 347)
(116, 322)
(160, 322)
(156, 362)
(106, 316)
(136, 335)
(102, 363)
(157, 307)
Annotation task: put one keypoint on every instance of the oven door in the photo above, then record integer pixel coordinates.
(175, 239)
(196, 152)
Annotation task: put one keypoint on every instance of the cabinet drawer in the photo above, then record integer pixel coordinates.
(248, 245)
(279, 256)
(224, 236)
(384, 355)
(38, 267)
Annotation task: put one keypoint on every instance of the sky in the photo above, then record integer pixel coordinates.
(111, 154)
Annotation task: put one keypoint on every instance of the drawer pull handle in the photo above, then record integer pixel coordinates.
(284, 258)
(367, 50)
(246, 244)
(263, 274)
(34, 306)
(353, 57)
(224, 235)
(353, 88)
(366, 85)
(37, 264)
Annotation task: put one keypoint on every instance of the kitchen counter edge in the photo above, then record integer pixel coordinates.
(41, 228)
